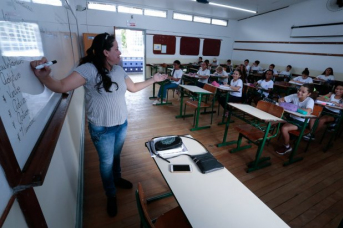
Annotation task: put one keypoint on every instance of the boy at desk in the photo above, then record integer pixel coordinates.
(304, 78)
(265, 87)
(304, 102)
(336, 100)
(224, 79)
(204, 74)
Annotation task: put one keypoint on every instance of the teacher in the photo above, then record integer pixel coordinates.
(105, 84)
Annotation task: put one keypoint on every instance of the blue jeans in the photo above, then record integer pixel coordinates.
(165, 87)
(109, 142)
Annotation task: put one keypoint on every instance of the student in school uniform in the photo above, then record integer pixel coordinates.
(229, 67)
(236, 84)
(255, 66)
(199, 60)
(266, 86)
(304, 78)
(215, 62)
(244, 77)
(272, 67)
(247, 67)
(304, 102)
(337, 99)
(175, 79)
(105, 84)
(287, 71)
(208, 64)
(326, 75)
(204, 74)
(220, 72)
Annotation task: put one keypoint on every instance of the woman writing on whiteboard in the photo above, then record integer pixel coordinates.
(105, 85)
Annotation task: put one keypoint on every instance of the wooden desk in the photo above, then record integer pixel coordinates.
(256, 114)
(286, 86)
(292, 158)
(216, 199)
(193, 78)
(199, 91)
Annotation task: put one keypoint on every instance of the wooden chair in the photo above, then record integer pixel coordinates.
(194, 104)
(171, 219)
(317, 110)
(255, 131)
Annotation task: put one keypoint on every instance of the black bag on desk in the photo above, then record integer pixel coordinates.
(168, 143)
(207, 163)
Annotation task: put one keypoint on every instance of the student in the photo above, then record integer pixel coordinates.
(271, 67)
(204, 74)
(335, 98)
(247, 67)
(220, 72)
(236, 85)
(229, 67)
(207, 63)
(266, 86)
(244, 75)
(304, 102)
(175, 79)
(255, 66)
(105, 86)
(287, 71)
(215, 62)
(304, 78)
(199, 60)
(326, 75)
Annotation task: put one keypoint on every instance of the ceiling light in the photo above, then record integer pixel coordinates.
(230, 7)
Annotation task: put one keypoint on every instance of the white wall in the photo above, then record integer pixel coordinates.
(95, 21)
(58, 195)
(276, 26)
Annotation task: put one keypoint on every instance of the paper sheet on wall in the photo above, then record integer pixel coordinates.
(164, 49)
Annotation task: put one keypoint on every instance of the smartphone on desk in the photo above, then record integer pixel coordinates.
(176, 168)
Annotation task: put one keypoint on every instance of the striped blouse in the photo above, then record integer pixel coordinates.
(104, 108)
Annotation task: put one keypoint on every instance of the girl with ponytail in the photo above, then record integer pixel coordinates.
(105, 84)
(304, 78)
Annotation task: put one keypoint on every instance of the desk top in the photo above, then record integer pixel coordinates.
(255, 112)
(192, 75)
(323, 103)
(216, 199)
(226, 88)
(284, 84)
(301, 115)
(219, 76)
(195, 89)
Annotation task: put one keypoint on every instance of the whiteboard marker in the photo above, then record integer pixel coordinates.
(45, 64)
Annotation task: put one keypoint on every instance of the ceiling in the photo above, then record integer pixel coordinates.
(195, 8)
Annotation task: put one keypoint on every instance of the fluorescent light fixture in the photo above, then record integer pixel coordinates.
(49, 2)
(102, 6)
(230, 7)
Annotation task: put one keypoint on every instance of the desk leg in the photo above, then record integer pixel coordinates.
(259, 162)
(294, 151)
(153, 92)
(225, 107)
(197, 117)
(181, 105)
(224, 143)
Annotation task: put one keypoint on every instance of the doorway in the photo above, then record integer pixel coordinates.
(131, 43)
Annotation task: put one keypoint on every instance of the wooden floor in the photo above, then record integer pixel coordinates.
(305, 194)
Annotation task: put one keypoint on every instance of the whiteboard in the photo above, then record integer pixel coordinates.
(26, 104)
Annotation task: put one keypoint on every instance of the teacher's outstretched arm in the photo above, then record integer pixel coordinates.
(73, 81)
(135, 87)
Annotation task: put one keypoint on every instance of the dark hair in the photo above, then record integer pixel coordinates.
(289, 66)
(229, 60)
(177, 62)
(207, 61)
(272, 65)
(265, 73)
(310, 87)
(257, 62)
(95, 55)
(200, 57)
(306, 72)
(246, 60)
(240, 72)
(243, 73)
(326, 69)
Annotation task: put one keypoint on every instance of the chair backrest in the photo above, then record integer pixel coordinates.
(270, 108)
(210, 88)
(317, 110)
(142, 207)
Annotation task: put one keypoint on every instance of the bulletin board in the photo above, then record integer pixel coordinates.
(164, 45)
(211, 47)
(189, 46)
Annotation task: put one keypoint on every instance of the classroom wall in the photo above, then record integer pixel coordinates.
(59, 193)
(96, 21)
(276, 26)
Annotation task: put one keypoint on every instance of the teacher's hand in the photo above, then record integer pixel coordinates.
(42, 73)
(160, 77)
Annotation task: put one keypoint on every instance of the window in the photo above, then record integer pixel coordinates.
(202, 19)
(219, 22)
(155, 13)
(49, 2)
(101, 6)
(131, 10)
(180, 16)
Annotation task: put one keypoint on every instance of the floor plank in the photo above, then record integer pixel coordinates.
(305, 194)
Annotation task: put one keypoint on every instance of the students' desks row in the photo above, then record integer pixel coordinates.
(216, 199)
